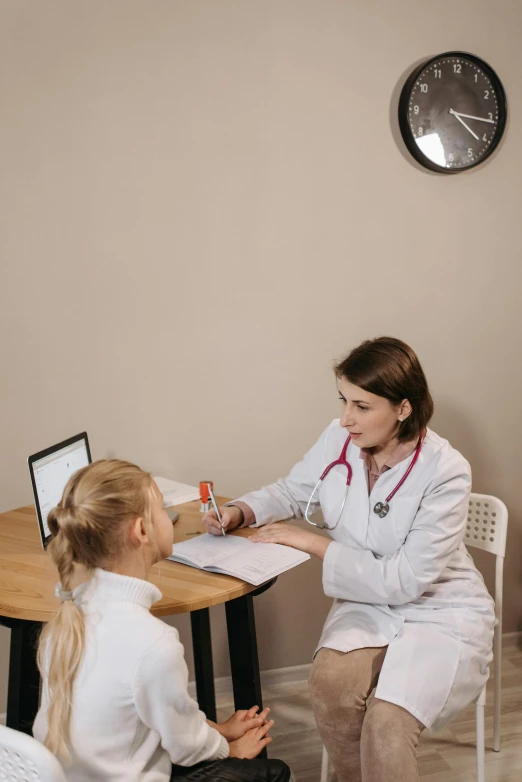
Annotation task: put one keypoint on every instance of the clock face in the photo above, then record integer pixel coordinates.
(452, 112)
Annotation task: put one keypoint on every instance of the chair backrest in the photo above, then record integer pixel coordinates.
(24, 759)
(486, 526)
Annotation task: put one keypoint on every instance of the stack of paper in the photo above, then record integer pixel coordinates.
(175, 493)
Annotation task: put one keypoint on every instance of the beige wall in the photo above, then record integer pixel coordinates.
(204, 203)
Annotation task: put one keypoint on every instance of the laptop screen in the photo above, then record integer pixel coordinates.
(51, 473)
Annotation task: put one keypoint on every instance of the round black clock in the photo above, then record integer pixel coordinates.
(452, 112)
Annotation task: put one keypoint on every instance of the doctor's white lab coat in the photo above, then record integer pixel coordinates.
(407, 580)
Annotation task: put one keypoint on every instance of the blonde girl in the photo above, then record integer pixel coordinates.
(115, 705)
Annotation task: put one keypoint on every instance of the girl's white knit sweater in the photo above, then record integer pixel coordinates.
(132, 716)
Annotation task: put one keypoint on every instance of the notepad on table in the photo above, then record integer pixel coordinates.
(175, 493)
(236, 556)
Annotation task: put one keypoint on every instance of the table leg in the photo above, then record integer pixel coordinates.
(242, 645)
(203, 665)
(24, 679)
(244, 659)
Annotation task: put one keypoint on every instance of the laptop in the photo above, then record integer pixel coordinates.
(50, 470)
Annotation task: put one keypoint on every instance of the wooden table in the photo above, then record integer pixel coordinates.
(27, 582)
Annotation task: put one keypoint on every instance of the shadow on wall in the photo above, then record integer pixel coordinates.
(464, 435)
(394, 118)
(453, 424)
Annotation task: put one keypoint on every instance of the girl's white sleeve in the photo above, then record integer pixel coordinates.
(288, 497)
(165, 706)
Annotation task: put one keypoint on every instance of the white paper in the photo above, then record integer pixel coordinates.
(175, 493)
(237, 556)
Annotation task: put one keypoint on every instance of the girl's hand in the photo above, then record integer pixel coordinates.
(290, 535)
(241, 722)
(232, 517)
(250, 745)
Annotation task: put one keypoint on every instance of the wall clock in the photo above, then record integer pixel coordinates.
(452, 112)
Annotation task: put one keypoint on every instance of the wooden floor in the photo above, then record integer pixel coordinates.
(447, 756)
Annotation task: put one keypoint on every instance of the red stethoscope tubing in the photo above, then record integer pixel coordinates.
(410, 468)
(343, 462)
(380, 508)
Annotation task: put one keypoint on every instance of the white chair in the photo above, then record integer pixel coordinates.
(486, 528)
(23, 759)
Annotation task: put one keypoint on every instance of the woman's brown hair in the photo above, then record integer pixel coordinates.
(389, 368)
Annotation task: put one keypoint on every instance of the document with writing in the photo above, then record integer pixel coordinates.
(237, 556)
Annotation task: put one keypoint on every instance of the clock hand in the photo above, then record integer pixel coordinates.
(470, 116)
(457, 116)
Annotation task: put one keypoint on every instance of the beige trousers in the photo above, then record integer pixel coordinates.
(366, 742)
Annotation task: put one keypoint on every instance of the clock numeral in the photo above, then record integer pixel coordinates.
(486, 94)
(476, 78)
(438, 73)
(424, 88)
(451, 157)
(421, 130)
(457, 68)
(415, 109)
(490, 115)
(470, 152)
(484, 137)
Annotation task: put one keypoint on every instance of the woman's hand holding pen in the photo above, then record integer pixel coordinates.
(231, 517)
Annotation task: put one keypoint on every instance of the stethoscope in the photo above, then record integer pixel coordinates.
(380, 508)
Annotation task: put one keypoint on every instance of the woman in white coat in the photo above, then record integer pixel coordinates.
(411, 615)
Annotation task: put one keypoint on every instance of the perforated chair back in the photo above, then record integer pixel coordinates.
(486, 527)
(24, 759)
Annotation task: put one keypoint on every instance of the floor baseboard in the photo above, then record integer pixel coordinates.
(272, 678)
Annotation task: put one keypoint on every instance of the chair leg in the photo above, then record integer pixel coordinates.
(481, 746)
(497, 687)
(324, 766)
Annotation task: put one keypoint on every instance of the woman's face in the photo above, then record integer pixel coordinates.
(370, 419)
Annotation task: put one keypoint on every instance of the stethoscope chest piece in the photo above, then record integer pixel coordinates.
(381, 509)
